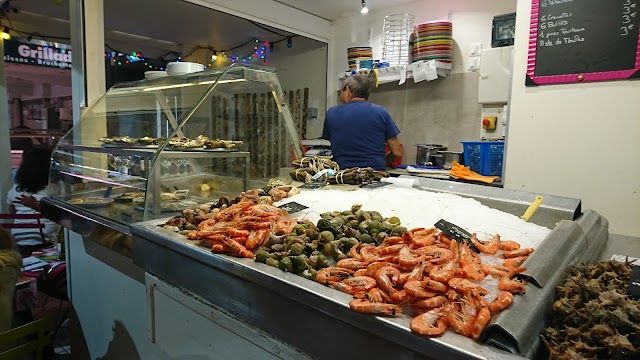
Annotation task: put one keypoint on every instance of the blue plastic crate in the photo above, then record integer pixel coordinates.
(484, 157)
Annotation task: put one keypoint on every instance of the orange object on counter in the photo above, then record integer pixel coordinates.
(464, 172)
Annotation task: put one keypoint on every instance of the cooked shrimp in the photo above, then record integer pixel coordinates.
(417, 290)
(390, 249)
(351, 264)
(237, 248)
(467, 287)
(431, 303)
(481, 321)
(332, 274)
(354, 254)
(342, 287)
(514, 286)
(499, 271)
(387, 277)
(417, 273)
(400, 296)
(373, 268)
(368, 253)
(474, 272)
(360, 283)
(516, 253)
(514, 262)
(256, 238)
(443, 273)
(377, 295)
(453, 295)
(368, 307)
(501, 302)
(220, 248)
(233, 232)
(430, 323)
(360, 272)
(462, 319)
(435, 255)
(393, 240)
(509, 245)
(490, 247)
(409, 258)
(436, 286)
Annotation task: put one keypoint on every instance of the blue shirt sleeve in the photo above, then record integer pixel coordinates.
(326, 133)
(390, 128)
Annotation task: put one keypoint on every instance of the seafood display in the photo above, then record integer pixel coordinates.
(325, 170)
(190, 219)
(239, 228)
(307, 167)
(425, 275)
(302, 248)
(200, 141)
(392, 271)
(357, 176)
(592, 317)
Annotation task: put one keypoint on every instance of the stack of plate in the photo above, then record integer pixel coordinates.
(355, 54)
(433, 41)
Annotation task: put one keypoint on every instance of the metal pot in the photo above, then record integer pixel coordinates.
(450, 157)
(424, 152)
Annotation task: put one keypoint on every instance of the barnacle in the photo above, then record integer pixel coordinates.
(591, 317)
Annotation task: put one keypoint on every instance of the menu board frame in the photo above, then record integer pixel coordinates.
(532, 79)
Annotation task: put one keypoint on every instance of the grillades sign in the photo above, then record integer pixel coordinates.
(34, 54)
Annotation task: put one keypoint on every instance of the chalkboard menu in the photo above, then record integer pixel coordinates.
(583, 40)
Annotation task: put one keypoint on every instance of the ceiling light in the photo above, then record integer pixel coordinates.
(5, 33)
(365, 9)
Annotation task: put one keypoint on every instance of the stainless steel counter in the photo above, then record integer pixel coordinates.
(315, 318)
(302, 313)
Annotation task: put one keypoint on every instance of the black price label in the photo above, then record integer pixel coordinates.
(293, 207)
(634, 283)
(456, 232)
(313, 185)
(374, 185)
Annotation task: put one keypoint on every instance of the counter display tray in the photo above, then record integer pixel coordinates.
(182, 148)
(129, 146)
(92, 202)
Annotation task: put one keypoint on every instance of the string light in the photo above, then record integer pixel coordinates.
(5, 34)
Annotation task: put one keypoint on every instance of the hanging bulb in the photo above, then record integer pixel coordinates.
(365, 9)
(214, 57)
(5, 34)
(289, 42)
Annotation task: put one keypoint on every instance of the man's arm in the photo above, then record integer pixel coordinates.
(395, 148)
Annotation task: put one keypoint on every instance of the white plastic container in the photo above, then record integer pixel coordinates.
(150, 75)
(183, 68)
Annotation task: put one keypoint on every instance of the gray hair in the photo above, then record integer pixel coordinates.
(359, 85)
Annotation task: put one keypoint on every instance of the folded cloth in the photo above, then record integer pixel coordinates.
(464, 172)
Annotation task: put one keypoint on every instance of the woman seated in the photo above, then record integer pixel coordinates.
(10, 264)
(31, 182)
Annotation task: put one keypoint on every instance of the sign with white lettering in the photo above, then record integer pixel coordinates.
(27, 53)
(583, 40)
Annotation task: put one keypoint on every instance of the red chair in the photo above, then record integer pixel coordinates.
(37, 224)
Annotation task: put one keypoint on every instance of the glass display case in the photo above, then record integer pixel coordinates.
(153, 147)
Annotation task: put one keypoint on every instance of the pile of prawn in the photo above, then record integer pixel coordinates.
(241, 227)
(424, 272)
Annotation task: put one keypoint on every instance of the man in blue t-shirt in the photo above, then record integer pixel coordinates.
(359, 130)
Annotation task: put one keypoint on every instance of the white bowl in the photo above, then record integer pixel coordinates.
(182, 68)
(149, 75)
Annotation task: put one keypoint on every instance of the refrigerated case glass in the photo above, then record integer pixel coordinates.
(101, 167)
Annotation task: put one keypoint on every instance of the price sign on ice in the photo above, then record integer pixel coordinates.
(292, 207)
